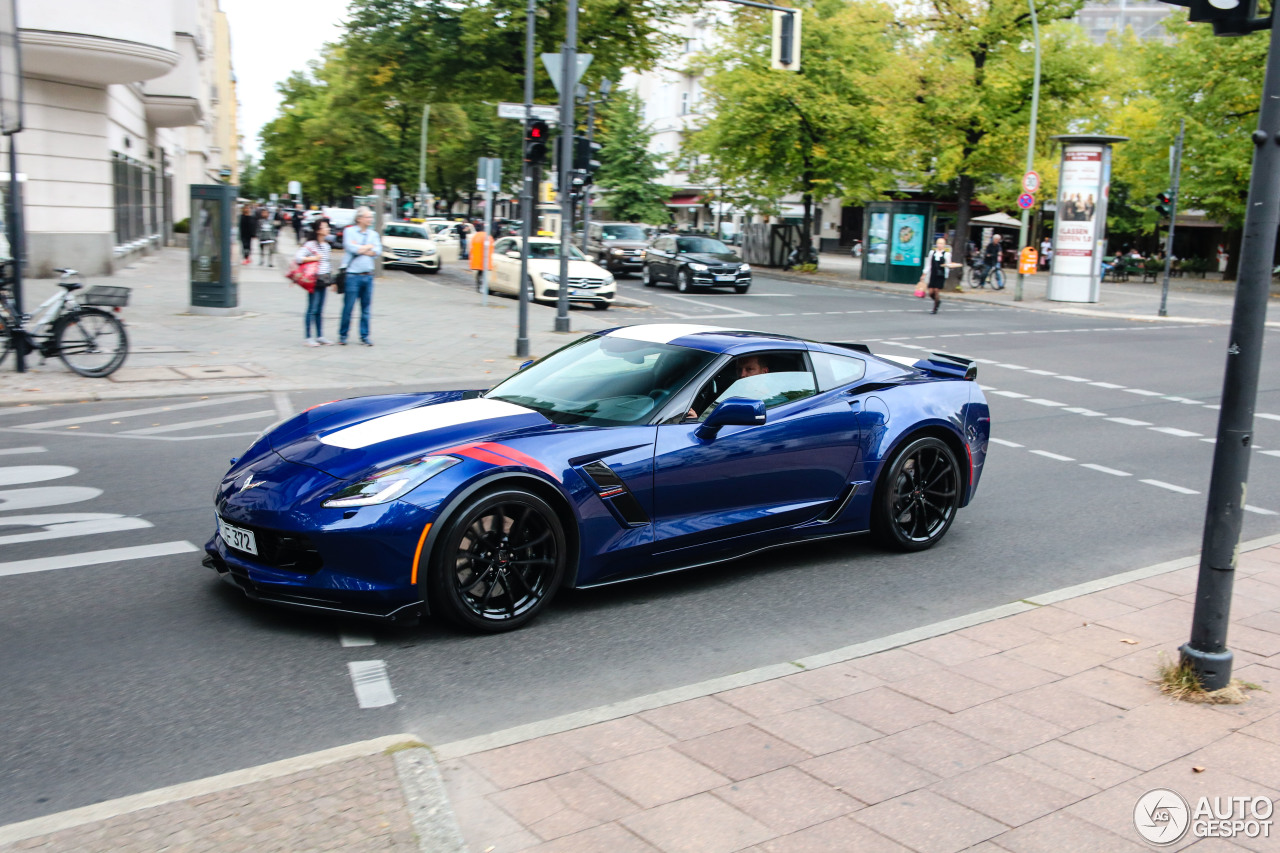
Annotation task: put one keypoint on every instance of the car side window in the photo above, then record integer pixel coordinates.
(392, 231)
(836, 370)
(503, 246)
(773, 377)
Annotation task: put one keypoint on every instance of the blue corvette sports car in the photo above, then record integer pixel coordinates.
(632, 452)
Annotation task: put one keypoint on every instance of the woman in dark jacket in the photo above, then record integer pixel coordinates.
(248, 230)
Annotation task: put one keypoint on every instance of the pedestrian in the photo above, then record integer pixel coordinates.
(1046, 252)
(481, 254)
(461, 230)
(934, 275)
(266, 240)
(248, 230)
(317, 249)
(298, 213)
(360, 246)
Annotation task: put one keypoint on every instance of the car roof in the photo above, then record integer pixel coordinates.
(707, 338)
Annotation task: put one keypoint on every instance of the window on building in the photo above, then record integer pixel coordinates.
(684, 103)
(137, 195)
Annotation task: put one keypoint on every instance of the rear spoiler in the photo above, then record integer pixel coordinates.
(940, 364)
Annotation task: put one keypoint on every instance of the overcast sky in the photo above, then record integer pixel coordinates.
(270, 39)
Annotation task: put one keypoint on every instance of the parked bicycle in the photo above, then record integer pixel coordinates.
(89, 339)
(980, 274)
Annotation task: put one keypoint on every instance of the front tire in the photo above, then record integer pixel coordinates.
(684, 282)
(918, 496)
(91, 342)
(601, 306)
(499, 563)
(741, 288)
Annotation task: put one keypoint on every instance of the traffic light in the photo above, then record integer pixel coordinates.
(586, 155)
(535, 142)
(1229, 17)
(785, 50)
(1164, 204)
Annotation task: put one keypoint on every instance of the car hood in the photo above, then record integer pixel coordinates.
(367, 433)
(709, 258)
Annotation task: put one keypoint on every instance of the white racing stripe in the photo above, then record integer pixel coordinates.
(372, 683)
(1160, 484)
(422, 419)
(93, 558)
(662, 333)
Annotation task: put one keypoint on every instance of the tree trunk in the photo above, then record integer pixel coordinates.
(964, 210)
(806, 230)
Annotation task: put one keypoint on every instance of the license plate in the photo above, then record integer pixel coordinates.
(238, 537)
(579, 293)
(726, 278)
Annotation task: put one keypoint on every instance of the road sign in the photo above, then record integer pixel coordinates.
(546, 112)
(379, 184)
(1026, 201)
(1031, 182)
(551, 61)
(489, 174)
(295, 188)
(395, 192)
(1027, 260)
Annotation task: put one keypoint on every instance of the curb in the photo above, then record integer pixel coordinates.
(424, 793)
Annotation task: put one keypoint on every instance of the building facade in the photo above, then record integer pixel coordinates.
(124, 108)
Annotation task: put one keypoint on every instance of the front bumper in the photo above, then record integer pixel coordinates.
(430, 262)
(582, 296)
(706, 279)
(622, 263)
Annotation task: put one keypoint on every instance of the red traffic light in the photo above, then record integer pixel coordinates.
(1164, 198)
(538, 131)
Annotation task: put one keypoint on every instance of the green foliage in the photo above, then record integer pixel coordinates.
(628, 171)
(182, 226)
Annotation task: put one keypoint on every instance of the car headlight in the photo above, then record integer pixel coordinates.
(698, 267)
(430, 250)
(390, 483)
(608, 280)
(745, 268)
(615, 251)
(551, 277)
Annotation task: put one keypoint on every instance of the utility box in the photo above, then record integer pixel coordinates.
(214, 267)
(899, 235)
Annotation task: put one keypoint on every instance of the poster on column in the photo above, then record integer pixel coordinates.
(878, 239)
(1078, 197)
(908, 239)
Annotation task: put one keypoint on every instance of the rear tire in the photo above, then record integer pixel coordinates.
(91, 342)
(646, 277)
(918, 496)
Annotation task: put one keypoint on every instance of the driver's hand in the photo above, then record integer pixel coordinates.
(691, 414)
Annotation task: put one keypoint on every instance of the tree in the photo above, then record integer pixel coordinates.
(251, 185)
(628, 171)
(814, 132)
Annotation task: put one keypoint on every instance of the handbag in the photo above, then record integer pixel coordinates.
(920, 290)
(340, 281)
(304, 275)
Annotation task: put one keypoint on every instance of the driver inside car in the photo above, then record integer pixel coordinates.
(751, 365)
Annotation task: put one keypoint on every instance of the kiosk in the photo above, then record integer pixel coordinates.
(1080, 226)
(214, 266)
(899, 235)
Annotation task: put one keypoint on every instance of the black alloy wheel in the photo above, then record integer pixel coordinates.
(684, 281)
(500, 562)
(646, 277)
(919, 495)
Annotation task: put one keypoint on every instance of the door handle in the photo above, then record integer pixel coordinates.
(855, 405)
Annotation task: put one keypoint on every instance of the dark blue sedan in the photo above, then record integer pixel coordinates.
(629, 453)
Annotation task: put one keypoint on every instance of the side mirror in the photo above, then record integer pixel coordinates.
(736, 411)
(524, 365)
(513, 254)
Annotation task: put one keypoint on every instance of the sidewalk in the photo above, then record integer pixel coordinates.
(1029, 727)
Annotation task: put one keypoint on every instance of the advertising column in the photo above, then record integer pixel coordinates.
(1080, 227)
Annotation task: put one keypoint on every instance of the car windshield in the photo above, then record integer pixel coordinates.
(622, 232)
(702, 245)
(552, 250)
(603, 381)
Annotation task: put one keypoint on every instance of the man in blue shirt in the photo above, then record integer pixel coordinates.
(360, 246)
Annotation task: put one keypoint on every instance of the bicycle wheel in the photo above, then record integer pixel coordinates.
(975, 274)
(91, 342)
(997, 278)
(6, 341)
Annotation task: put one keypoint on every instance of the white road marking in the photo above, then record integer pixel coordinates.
(1143, 393)
(19, 475)
(1215, 441)
(1072, 378)
(1001, 441)
(1011, 366)
(1042, 372)
(1263, 452)
(1111, 385)
(18, 410)
(132, 413)
(1180, 433)
(13, 451)
(1160, 484)
(1213, 406)
(1040, 401)
(284, 408)
(1259, 510)
(1183, 400)
(34, 498)
(1088, 413)
(93, 558)
(1266, 416)
(62, 525)
(351, 641)
(225, 419)
(984, 360)
(1046, 454)
(1104, 469)
(1014, 394)
(372, 683)
(1129, 422)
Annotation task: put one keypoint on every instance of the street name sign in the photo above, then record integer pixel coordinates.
(546, 112)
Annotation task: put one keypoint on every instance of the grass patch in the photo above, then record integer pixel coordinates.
(401, 747)
(1178, 680)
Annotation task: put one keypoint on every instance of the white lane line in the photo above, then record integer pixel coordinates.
(1183, 400)
(1059, 457)
(1180, 433)
(14, 451)
(995, 333)
(351, 641)
(1263, 452)
(19, 475)
(1042, 372)
(1011, 366)
(1020, 332)
(372, 683)
(1040, 401)
(18, 410)
(1014, 394)
(1072, 378)
(131, 413)
(93, 558)
(284, 408)
(985, 360)
(225, 419)
(1160, 484)
(62, 525)
(835, 312)
(986, 387)
(1259, 510)
(1215, 441)
(1088, 413)
(1129, 422)
(786, 315)
(1143, 393)
(1004, 443)
(1111, 385)
(1104, 469)
(1213, 406)
(1266, 416)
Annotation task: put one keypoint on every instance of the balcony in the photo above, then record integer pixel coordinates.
(174, 99)
(87, 41)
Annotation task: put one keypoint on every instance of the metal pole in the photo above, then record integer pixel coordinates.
(586, 186)
(1024, 231)
(529, 178)
(16, 250)
(1173, 216)
(1207, 651)
(568, 87)
(380, 203)
(422, 160)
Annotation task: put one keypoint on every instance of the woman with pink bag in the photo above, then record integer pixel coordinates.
(316, 251)
(934, 275)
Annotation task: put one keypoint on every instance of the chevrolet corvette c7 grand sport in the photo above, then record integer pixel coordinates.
(628, 453)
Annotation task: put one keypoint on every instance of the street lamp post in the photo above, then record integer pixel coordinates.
(568, 81)
(1023, 231)
(527, 186)
(422, 160)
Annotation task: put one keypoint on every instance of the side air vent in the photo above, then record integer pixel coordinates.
(614, 492)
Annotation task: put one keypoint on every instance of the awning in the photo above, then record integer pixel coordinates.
(685, 200)
(1000, 220)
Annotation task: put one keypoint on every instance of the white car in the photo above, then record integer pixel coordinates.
(444, 232)
(408, 244)
(588, 283)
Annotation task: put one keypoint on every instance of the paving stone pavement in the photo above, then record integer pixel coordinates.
(1033, 731)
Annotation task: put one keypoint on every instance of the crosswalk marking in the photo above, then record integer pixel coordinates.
(372, 683)
(62, 525)
(14, 451)
(41, 496)
(93, 558)
(225, 419)
(131, 413)
(18, 475)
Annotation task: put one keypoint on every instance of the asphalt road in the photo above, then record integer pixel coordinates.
(138, 668)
